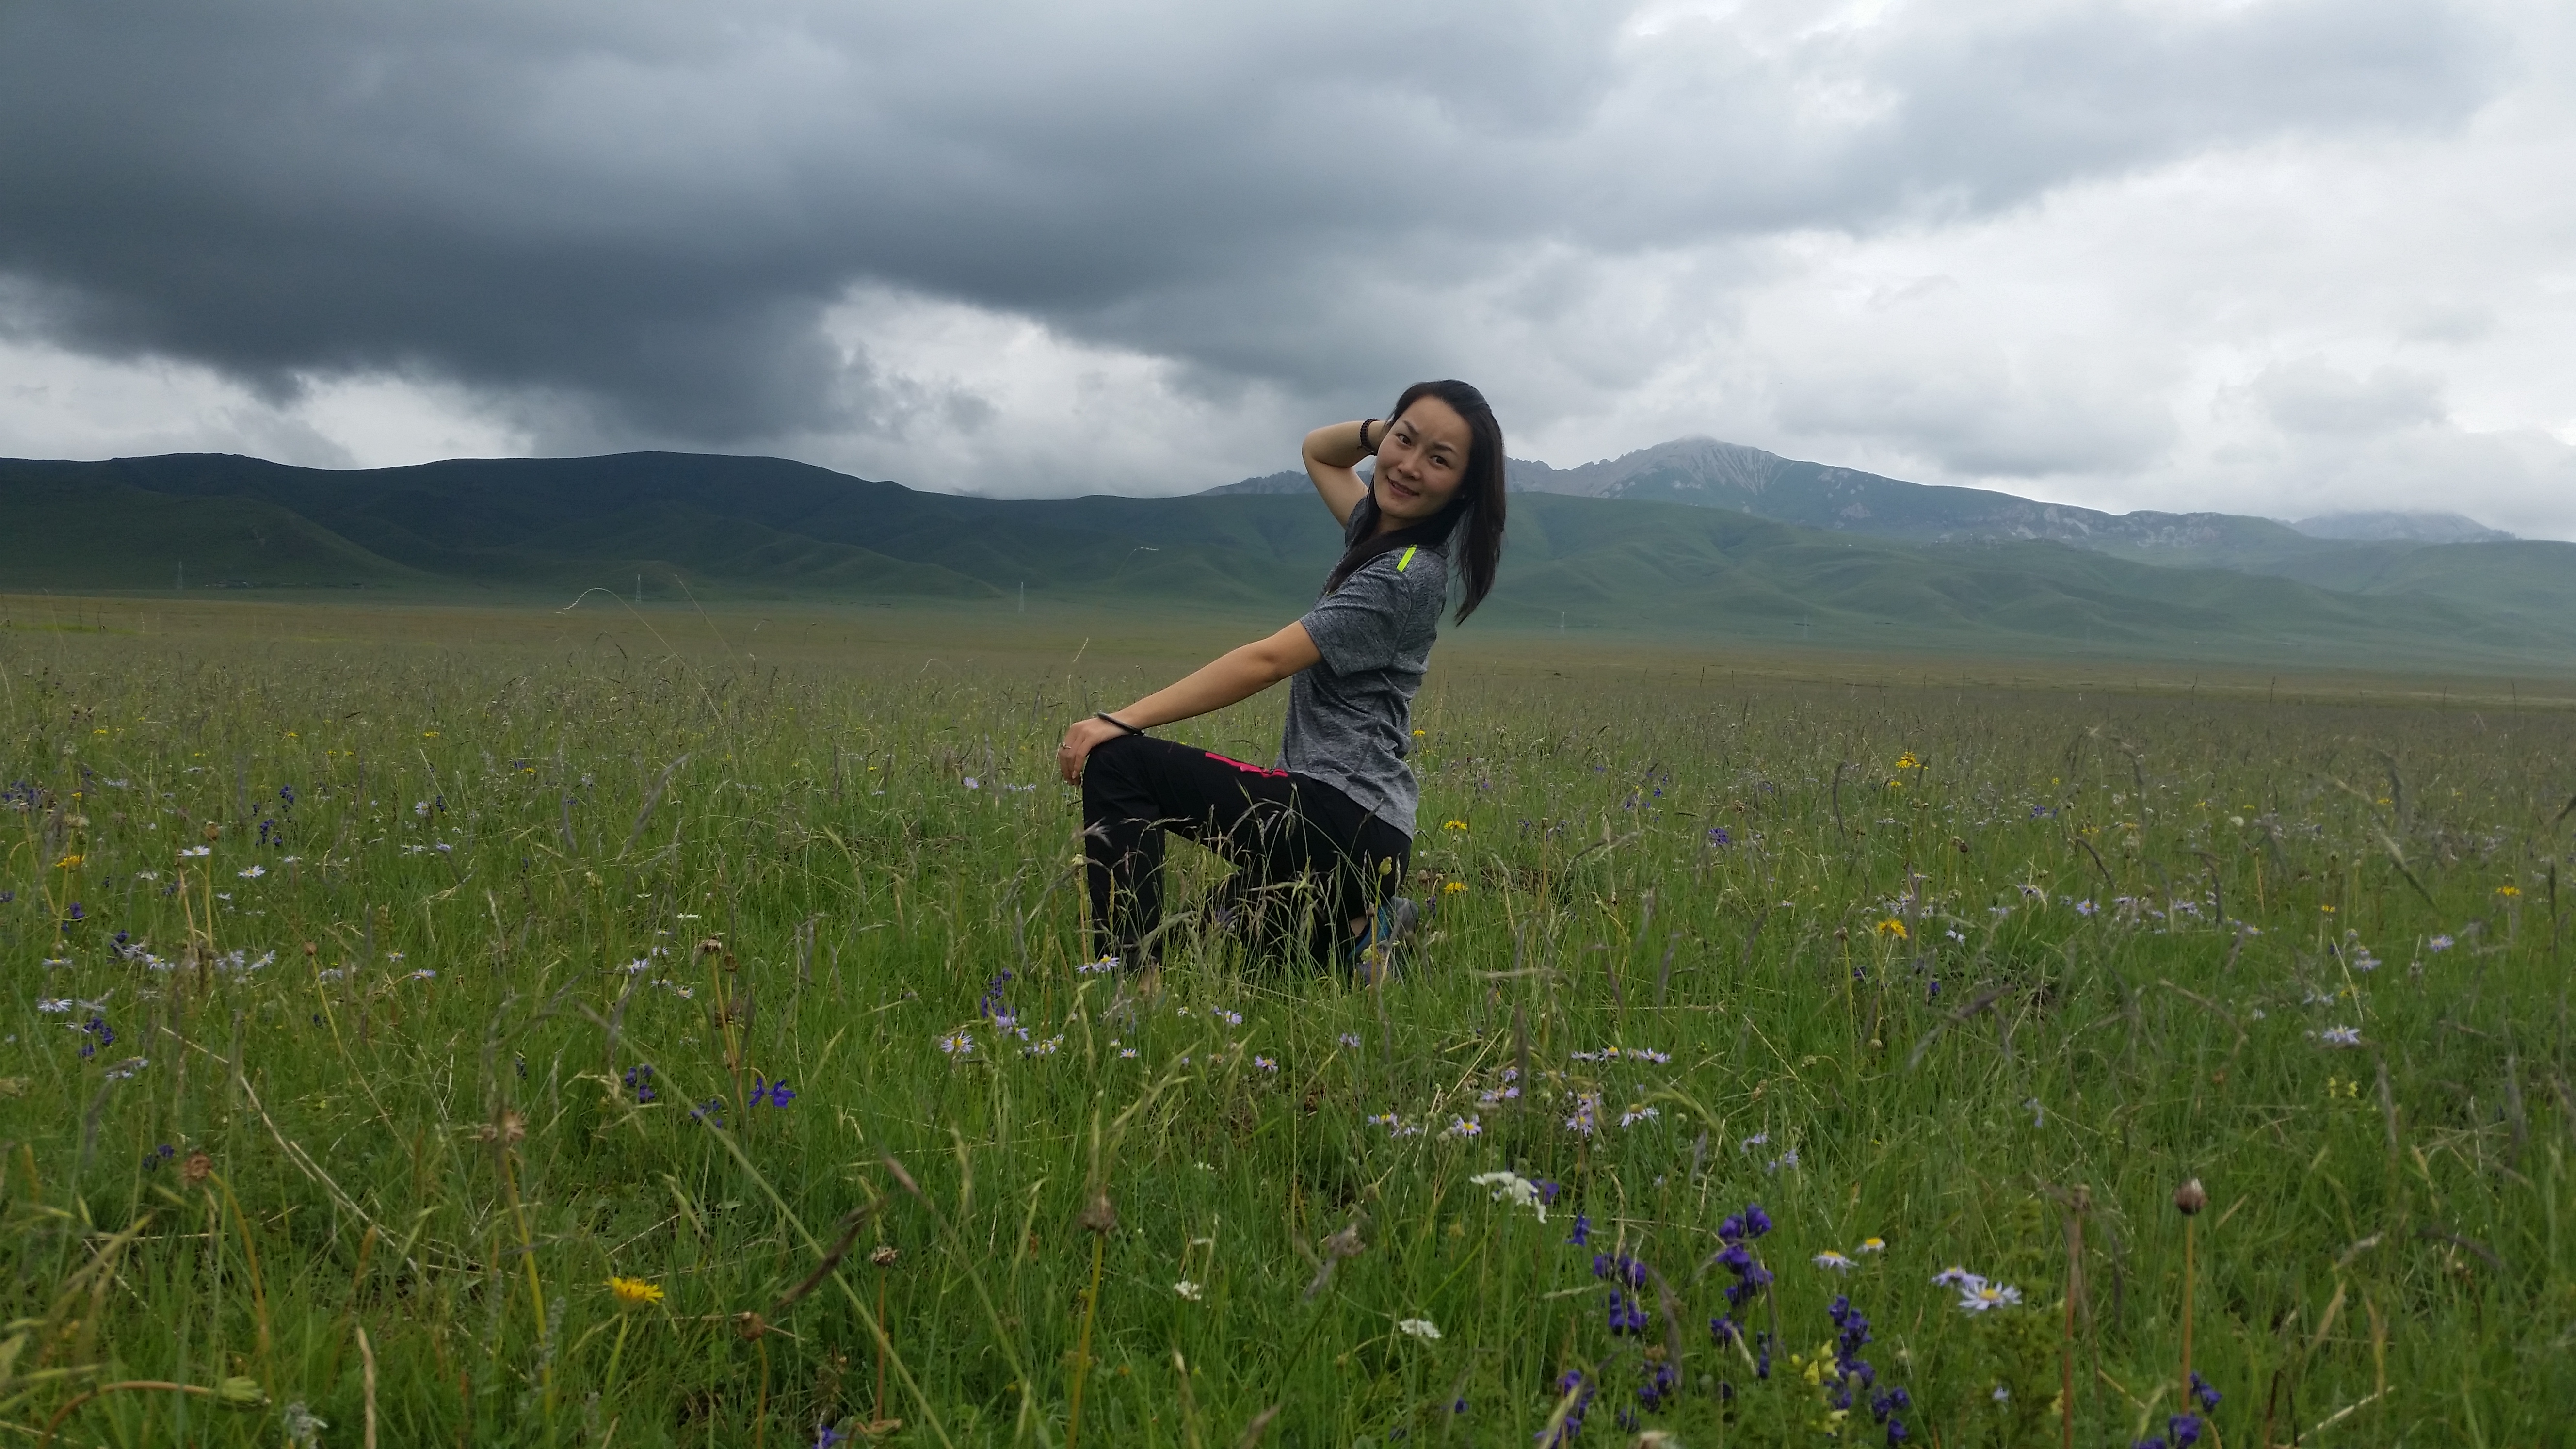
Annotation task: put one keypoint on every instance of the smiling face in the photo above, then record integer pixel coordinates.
(1421, 463)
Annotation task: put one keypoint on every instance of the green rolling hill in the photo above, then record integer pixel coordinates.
(744, 528)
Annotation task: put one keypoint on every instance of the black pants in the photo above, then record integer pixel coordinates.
(1308, 860)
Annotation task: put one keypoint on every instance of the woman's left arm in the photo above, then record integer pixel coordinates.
(1231, 678)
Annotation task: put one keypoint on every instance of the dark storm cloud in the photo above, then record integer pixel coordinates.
(638, 211)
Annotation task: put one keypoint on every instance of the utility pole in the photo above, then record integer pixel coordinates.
(183, 576)
(1024, 596)
(639, 587)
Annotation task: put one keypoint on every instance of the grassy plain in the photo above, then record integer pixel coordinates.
(1937, 950)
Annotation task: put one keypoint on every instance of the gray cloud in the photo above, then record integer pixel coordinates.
(632, 223)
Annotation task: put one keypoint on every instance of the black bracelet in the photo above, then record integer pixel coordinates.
(1365, 450)
(1113, 719)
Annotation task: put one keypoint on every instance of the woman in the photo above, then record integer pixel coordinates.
(1319, 841)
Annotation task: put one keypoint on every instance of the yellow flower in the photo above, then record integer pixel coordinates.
(1907, 761)
(1893, 927)
(2500, 890)
(429, 734)
(634, 1292)
(68, 862)
(2329, 910)
(1421, 734)
(1455, 825)
(1453, 888)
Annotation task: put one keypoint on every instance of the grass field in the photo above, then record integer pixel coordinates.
(387, 983)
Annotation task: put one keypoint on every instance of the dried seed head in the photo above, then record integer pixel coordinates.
(710, 946)
(884, 1257)
(750, 1325)
(310, 949)
(1344, 1244)
(214, 831)
(197, 1168)
(2190, 1198)
(509, 1129)
(1098, 1216)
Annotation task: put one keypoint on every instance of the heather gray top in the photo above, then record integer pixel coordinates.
(1350, 718)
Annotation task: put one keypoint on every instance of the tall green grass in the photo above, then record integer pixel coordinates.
(1968, 970)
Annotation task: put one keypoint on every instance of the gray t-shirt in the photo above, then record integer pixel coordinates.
(1350, 718)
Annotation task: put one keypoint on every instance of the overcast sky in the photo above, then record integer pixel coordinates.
(2271, 256)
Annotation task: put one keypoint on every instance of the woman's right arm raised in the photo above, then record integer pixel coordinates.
(1332, 453)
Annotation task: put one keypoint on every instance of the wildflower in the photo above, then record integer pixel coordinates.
(1627, 1314)
(1421, 1328)
(1454, 825)
(971, 785)
(253, 873)
(1836, 1261)
(827, 1436)
(2339, 1036)
(1512, 1187)
(634, 1292)
(1756, 1140)
(1635, 1115)
(1095, 968)
(2201, 1391)
(1188, 1290)
(192, 852)
(957, 1044)
(1230, 1018)
(1983, 1295)
(1126, 1053)
(1870, 1245)
(773, 1094)
(1046, 1048)
(54, 1005)
(1464, 1127)
(1582, 1230)
(68, 862)
(1587, 1113)
(710, 1111)
(2439, 943)
(2508, 891)
(2086, 908)
(1265, 1064)
(126, 1069)
(1893, 927)
(1718, 835)
(1453, 888)
(420, 808)
(1957, 1277)
(1907, 761)
(1574, 1384)
(639, 1080)
(1351, 1039)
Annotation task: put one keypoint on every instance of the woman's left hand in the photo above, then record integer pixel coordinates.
(1079, 741)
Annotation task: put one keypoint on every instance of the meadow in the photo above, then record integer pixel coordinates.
(658, 1028)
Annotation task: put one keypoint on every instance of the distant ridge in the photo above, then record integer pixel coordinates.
(1707, 473)
(670, 528)
(2387, 527)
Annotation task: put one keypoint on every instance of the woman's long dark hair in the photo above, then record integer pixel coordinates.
(1478, 503)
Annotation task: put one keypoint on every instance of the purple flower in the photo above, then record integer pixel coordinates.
(1582, 1230)
(639, 1080)
(1717, 835)
(773, 1094)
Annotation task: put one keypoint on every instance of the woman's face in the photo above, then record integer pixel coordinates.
(1421, 462)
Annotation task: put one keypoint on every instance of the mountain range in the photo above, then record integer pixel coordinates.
(1693, 540)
